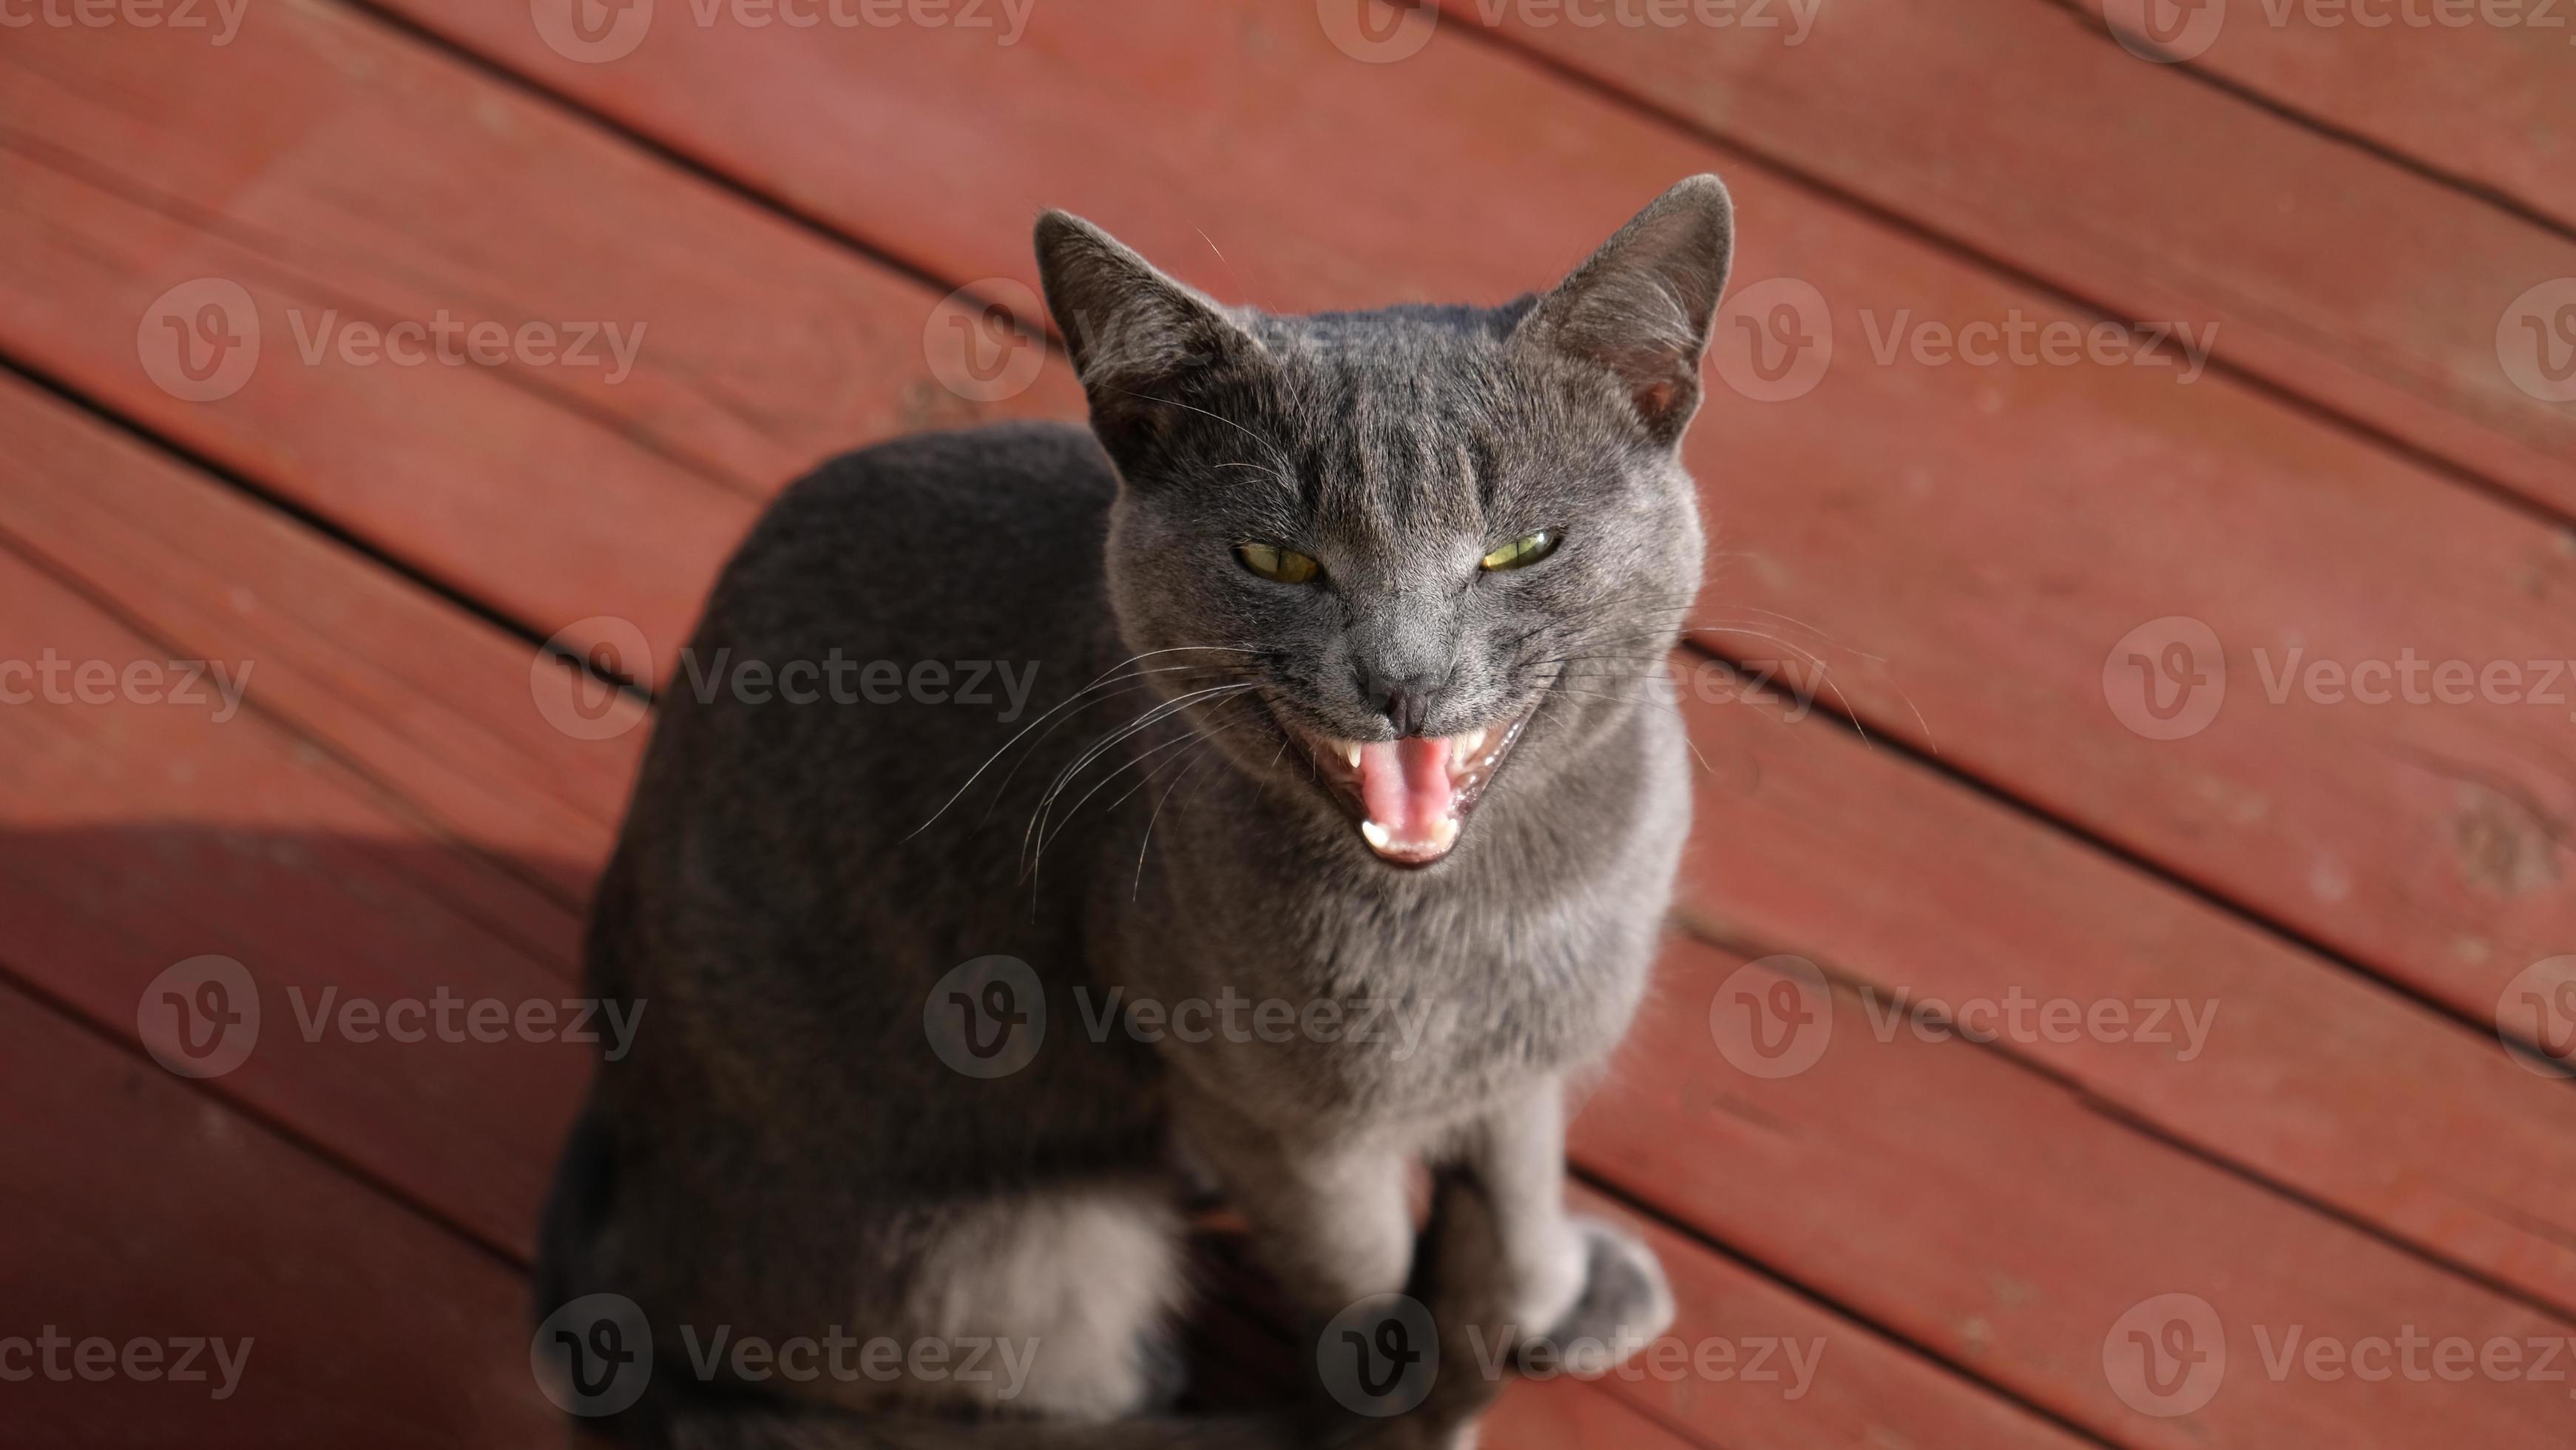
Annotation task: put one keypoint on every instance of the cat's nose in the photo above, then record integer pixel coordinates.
(1405, 700)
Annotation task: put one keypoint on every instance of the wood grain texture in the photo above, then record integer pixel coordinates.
(399, 683)
(2478, 93)
(137, 1209)
(2012, 1226)
(135, 836)
(1752, 1365)
(362, 179)
(2219, 1034)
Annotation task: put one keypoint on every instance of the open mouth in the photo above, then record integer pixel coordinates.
(1410, 796)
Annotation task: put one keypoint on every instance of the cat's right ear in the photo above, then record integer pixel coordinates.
(1642, 307)
(1132, 331)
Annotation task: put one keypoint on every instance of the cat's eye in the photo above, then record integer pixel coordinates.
(1523, 552)
(1284, 566)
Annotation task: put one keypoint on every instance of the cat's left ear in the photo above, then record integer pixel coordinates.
(1642, 306)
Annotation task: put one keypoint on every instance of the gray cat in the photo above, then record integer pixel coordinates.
(1335, 839)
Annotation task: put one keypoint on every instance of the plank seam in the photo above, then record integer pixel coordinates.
(1698, 925)
(276, 254)
(285, 1132)
(668, 153)
(35, 376)
(384, 794)
(1839, 716)
(1781, 1280)
(2494, 196)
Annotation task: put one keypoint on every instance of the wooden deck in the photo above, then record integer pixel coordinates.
(1967, 1156)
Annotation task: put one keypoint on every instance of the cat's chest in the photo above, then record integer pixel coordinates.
(1299, 987)
(1324, 1006)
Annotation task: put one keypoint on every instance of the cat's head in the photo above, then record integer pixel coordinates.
(1385, 555)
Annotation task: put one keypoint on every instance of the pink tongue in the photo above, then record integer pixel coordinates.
(1405, 785)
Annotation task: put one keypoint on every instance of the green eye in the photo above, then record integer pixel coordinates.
(1285, 566)
(1521, 553)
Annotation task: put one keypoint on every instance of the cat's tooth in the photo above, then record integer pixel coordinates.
(1378, 836)
(1463, 749)
(1444, 833)
(1351, 753)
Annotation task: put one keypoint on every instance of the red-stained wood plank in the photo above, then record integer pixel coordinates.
(137, 1209)
(345, 653)
(360, 178)
(2337, 274)
(2485, 92)
(2007, 1224)
(138, 835)
(2220, 1034)
(1993, 537)
(1753, 1366)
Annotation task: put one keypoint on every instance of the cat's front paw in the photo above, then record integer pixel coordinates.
(1624, 1305)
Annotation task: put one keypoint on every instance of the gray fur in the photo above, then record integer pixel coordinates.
(784, 1152)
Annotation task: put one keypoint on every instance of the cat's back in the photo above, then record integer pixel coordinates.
(944, 539)
(803, 857)
(898, 617)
